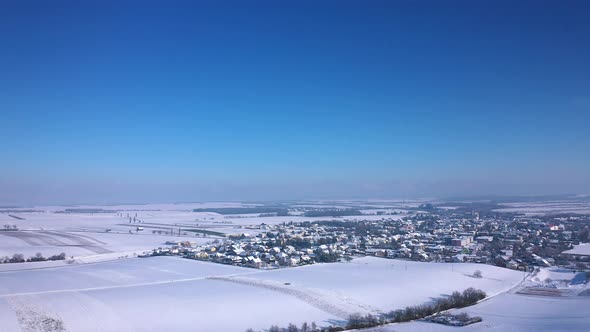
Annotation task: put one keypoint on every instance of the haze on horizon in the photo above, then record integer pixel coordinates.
(151, 102)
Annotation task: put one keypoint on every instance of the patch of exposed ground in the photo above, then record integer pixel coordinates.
(32, 318)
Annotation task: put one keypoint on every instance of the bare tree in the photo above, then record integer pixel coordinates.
(477, 274)
(314, 326)
(304, 327)
(17, 258)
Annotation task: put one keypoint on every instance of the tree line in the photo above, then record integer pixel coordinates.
(20, 258)
(332, 213)
(469, 296)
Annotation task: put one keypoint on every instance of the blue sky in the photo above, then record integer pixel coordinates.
(140, 101)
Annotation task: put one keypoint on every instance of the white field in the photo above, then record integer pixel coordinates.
(546, 207)
(169, 293)
(566, 307)
(84, 234)
(381, 285)
(82, 244)
(98, 291)
(513, 312)
(580, 249)
(374, 203)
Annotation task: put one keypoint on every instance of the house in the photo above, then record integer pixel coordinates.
(484, 239)
(460, 242)
(580, 252)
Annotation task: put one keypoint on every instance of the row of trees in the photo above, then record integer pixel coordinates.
(457, 299)
(332, 213)
(305, 327)
(279, 211)
(20, 258)
(8, 227)
(468, 297)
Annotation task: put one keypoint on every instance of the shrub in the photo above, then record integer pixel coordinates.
(59, 257)
(356, 321)
(17, 258)
(37, 258)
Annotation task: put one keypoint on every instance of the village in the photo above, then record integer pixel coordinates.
(501, 239)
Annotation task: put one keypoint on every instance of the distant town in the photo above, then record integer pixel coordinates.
(472, 233)
(326, 266)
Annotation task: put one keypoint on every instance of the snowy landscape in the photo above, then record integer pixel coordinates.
(295, 166)
(109, 280)
(563, 307)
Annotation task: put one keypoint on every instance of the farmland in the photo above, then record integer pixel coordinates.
(117, 295)
(104, 285)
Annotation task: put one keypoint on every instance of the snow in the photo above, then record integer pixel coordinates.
(199, 305)
(553, 273)
(85, 234)
(580, 249)
(81, 244)
(8, 317)
(547, 207)
(562, 308)
(151, 294)
(384, 285)
(512, 312)
(131, 272)
(170, 293)
(104, 289)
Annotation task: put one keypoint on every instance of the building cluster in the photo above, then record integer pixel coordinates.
(268, 247)
(506, 240)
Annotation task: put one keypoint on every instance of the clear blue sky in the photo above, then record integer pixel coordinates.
(134, 101)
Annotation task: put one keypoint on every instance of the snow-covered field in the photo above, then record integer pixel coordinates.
(580, 249)
(80, 234)
(514, 313)
(378, 284)
(79, 244)
(105, 289)
(169, 293)
(547, 207)
(549, 300)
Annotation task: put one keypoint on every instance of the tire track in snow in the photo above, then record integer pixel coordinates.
(88, 289)
(333, 305)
